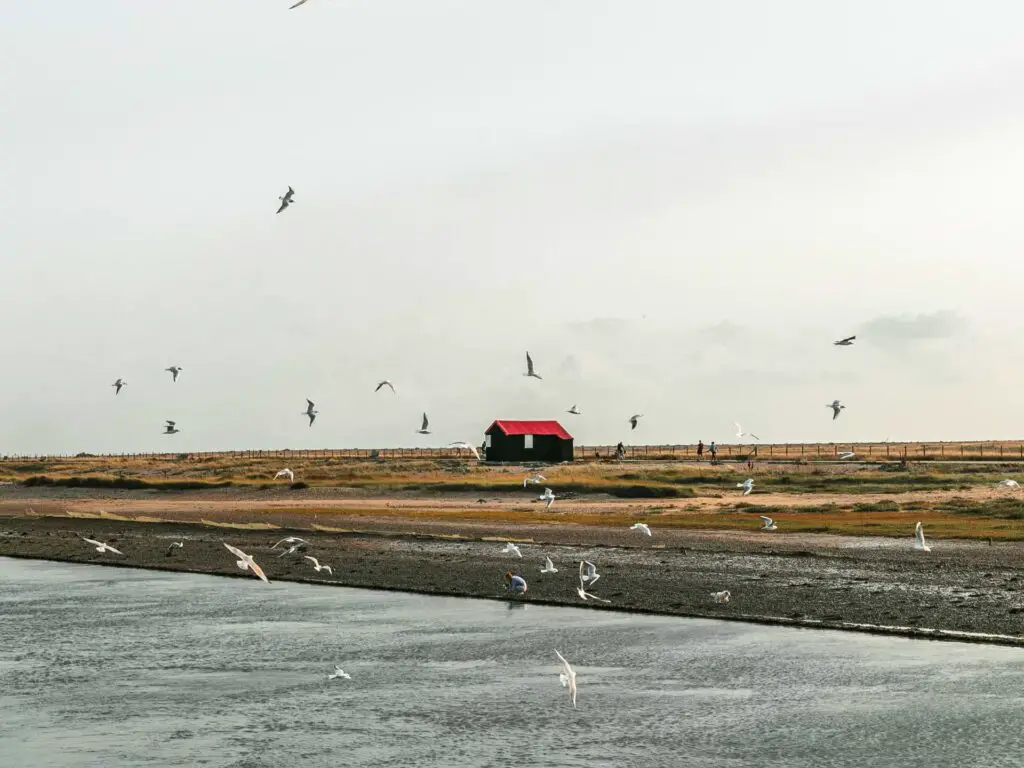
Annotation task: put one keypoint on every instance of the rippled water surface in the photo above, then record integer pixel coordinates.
(110, 667)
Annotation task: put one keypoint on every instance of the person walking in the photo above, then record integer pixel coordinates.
(714, 451)
(700, 449)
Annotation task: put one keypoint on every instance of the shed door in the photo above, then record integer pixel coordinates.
(527, 442)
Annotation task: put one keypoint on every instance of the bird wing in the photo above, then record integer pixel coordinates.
(170, 423)
(767, 520)
(425, 421)
(257, 570)
(289, 8)
(569, 671)
(313, 560)
(93, 541)
(754, 436)
(312, 418)
(284, 204)
(114, 550)
(548, 563)
(236, 552)
(529, 364)
(309, 405)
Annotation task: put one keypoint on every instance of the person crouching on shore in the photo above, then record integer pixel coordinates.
(515, 584)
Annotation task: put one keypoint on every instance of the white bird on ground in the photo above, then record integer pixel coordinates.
(769, 524)
(567, 678)
(644, 528)
(529, 368)
(175, 545)
(317, 566)
(170, 429)
(174, 370)
(535, 480)
(747, 486)
(919, 539)
(575, 411)
(338, 671)
(246, 563)
(468, 446)
(548, 496)
(386, 383)
(1009, 484)
(588, 573)
(424, 429)
(286, 198)
(511, 549)
(118, 384)
(549, 567)
(836, 407)
(289, 540)
(721, 597)
(740, 433)
(634, 419)
(101, 547)
(847, 342)
(310, 411)
(285, 473)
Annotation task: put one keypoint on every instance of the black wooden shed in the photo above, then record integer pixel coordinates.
(508, 440)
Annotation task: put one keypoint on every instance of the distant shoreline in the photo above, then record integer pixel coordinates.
(962, 591)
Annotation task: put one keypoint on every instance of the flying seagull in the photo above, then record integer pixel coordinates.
(286, 198)
(101, 547)
(174, 370)
(317, 566)
(721, 597)
(769, 524)
(584, 595)
(423, 430)
(590, 576)
(1009, 484)
(170, 429)
(644, 528)
(289, 540)
(836, 407)
(338, 671)
(549, 567)
(740, 433)
(919, 539)
(386, 383)
(285, 473)
(575, 410)
(567, 677)
(246, 563)
(511, 549)
(310, 411)
(847, 342)
(117, 386)
(529, 368)
(847, 455)
(548, 496)
(535, 480)
(175, 545)
(634, 418)
(747, 486)
(467, 446)
(293, 549)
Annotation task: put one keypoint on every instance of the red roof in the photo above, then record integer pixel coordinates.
(529, 428)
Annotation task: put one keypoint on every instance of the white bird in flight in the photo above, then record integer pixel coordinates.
(170, 429)
(511, 549)
(118, 384)
(101, 547)
(919, 539)
(293, 549)
(338, 671)
(388, 384)
(310, 411)
(289, 540)
(285, 473)
(575, 410)
(548, 496)
(535, 480)
(847, 342)
(644, 528)
(591, 575)
(246, 563)
(175, 545)
(174, 370)
(846, 455)
(529, 368)
(549, 567)
(769, 524)
(567, 678)
(836, 407)
(286, 198)
(317, 566)
(584, 595)
(721, 597)
(468, 446)
(1009, 484)
(424, 430)
(634, 419)
(747, 486)
(740, 433)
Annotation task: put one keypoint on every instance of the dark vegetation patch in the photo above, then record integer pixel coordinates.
(125, 483)
(1002, 509)
(877, 506)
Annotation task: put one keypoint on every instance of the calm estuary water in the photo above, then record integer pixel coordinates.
(115, 667)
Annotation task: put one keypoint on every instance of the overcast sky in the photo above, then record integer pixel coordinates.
(675, 206)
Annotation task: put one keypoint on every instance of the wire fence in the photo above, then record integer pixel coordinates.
(968, 451)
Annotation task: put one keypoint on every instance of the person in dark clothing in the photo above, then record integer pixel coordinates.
(620, 452)
(714, 451)
(700, 449)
